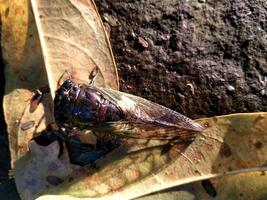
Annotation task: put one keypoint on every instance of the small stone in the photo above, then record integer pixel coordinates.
(142, 42)
(263, 92)
(230, 88)
(112, 21)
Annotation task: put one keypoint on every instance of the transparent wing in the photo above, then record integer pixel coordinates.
(138, 111)
(145, 131)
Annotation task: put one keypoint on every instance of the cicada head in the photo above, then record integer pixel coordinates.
(81, 104)
(65, 97)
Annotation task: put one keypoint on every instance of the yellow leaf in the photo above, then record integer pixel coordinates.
(230, 144)
(249, 186)
(74, 39)
(24, 71)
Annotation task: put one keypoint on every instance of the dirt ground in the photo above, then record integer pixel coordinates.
(199, 57)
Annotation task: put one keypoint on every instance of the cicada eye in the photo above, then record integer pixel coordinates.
(75, 88)
(67, 84)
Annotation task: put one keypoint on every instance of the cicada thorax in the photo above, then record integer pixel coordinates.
(83, 105)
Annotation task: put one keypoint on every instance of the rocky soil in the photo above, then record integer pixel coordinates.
(201, 58)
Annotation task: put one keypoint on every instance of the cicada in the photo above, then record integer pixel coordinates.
(113, 112)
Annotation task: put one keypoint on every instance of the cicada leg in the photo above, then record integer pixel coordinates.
(47, 138)
(93, 75)
(51, 134)
(82, 153)
(37, 97)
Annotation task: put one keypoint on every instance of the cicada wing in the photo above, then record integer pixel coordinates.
(139, 109)
(145, 131)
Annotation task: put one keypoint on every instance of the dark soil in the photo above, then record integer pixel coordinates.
(201, 58)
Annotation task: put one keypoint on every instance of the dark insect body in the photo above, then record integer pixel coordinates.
(209, 188)
(114, 112)
(83, 105)
(117, 114)
(79, 153)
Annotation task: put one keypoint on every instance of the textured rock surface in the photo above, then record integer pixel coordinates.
(201, 58)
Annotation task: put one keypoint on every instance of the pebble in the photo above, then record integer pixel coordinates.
(230, 88)
(113, 21)
(142, 42)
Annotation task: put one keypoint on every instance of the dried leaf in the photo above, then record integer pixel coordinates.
(77, 44)
(229, 145)
(24, 72)
(38, 165)
(250, 186)
(74, 39)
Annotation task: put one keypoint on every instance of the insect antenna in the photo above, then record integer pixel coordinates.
(61, 77)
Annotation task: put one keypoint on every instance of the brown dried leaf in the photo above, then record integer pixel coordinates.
(38, 165)
(24, 72)
(74, 39)
(77, 44)
(229, 145)
(249, 186)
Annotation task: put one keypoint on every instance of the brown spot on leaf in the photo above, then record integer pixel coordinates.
(23, 78)
(7, 12)
(215, 119)
(54, 180)
(258, 119)
(206, 124)
(71, 179)
(258, 145)
(225, 150)
(27, 125)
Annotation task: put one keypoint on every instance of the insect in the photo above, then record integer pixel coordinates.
(114, 112)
